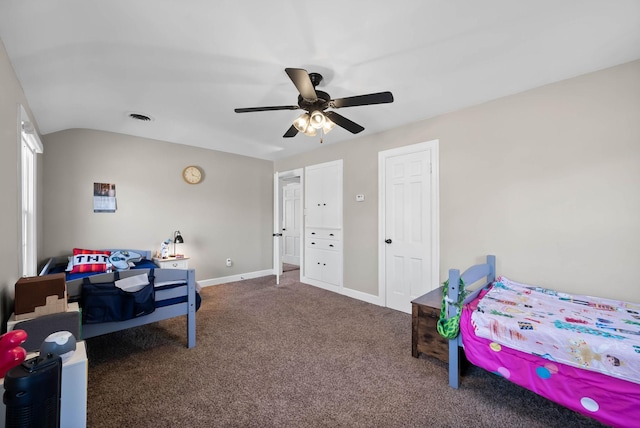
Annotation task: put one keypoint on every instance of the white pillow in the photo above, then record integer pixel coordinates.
(69, 264)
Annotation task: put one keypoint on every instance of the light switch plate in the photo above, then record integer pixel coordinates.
(359, 198)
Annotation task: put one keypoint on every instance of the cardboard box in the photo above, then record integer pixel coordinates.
(40, 295)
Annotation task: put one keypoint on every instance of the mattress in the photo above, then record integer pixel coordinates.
(142, 264)
(591, 333)
(608, 399)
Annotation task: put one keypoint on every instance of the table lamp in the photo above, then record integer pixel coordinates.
(177, 239)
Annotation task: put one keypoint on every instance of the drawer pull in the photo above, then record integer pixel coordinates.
(331, 245)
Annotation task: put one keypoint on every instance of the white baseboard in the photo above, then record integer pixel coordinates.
(359, 295)
(354, 294)
(365, 297)
(320, 284)
(233, 278)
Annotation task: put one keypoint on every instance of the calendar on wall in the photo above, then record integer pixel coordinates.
(104, 198)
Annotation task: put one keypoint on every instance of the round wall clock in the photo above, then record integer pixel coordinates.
(192, 174)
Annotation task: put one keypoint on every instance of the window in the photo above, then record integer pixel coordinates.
(30, 146)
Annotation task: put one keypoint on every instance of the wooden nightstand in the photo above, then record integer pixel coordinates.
(425, 338)
(172, 263)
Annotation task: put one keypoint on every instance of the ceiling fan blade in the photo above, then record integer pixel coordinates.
(363, 100)
(250, 109)
(291, 132)
(301, 79)
(342, 121)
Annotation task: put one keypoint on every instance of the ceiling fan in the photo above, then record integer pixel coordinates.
(315, 103)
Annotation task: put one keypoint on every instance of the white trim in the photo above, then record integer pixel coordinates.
(365, 297)
(28, 131)
(432, 145)
(29, 146)
(347, 292)
(354, 294)
(234, 278)
(324, 285)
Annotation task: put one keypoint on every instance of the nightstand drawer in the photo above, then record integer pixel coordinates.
(172, 263)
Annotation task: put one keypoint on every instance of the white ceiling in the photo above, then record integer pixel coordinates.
(189, 63)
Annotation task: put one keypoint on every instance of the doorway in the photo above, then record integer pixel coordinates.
(408, 224)
(287, 221)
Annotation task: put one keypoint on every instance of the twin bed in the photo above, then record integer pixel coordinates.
(175, 294)
(579, 351)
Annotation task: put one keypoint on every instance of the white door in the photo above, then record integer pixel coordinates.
(314, 197)
(278, 179)
(291, 224)
(277, 233)
(409, 224)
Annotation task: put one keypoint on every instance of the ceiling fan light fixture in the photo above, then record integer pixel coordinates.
(328, 125)
(317, 119)
(310, 131)
(302, 122)
(314, 103)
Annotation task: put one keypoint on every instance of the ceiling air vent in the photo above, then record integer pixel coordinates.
(139, 116)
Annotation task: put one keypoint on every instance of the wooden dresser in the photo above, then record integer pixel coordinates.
(425, 337)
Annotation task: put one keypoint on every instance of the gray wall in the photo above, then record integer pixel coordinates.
(548, 180)
(11, 96)
(229, 214)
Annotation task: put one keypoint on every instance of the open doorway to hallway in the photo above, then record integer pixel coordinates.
(288, 218)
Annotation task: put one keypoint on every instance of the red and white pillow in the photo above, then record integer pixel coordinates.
(89, 260)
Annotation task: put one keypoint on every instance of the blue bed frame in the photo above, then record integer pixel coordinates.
(187, 289)
(486, 274)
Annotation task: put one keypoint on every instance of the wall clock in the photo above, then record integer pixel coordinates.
(192, 174)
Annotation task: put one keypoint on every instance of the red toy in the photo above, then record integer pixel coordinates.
(11, 353)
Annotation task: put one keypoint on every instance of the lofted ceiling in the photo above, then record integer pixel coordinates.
(187, 64)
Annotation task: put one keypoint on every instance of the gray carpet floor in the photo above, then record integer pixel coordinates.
(293, 355)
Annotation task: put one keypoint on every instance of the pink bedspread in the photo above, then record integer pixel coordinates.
(610, 400)
(588, 332)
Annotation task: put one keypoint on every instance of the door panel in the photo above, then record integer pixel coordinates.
(408, 223)
(314, 197)
(291, 224)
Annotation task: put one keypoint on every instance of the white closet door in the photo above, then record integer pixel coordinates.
(314, 196)
(332, 197)
(323, 225)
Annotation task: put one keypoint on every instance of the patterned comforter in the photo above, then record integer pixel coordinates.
(592, 333)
